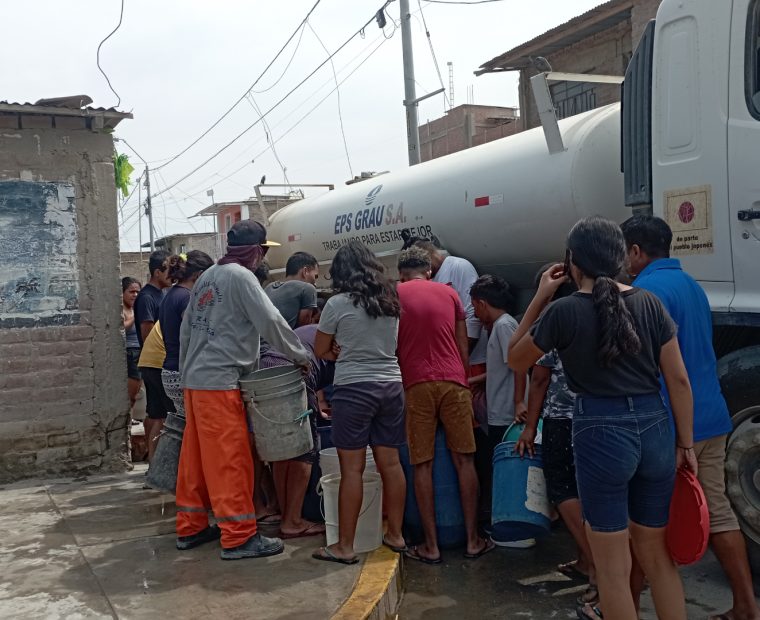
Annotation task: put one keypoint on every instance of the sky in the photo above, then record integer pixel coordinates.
(178, 66)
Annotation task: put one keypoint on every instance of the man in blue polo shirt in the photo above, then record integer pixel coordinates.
(648, 239)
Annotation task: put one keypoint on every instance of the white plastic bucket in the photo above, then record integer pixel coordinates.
(369, 527)
(270, 380)
(329, 463)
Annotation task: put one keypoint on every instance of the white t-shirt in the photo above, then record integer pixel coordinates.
(500, 378)
(461, 275)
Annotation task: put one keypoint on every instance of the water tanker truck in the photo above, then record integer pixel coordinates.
(687, 138)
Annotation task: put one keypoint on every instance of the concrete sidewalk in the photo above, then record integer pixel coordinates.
(103, 547)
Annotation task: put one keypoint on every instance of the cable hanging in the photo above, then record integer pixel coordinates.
(432, 53)
(270, 110)
(97, 55)
(250, 88)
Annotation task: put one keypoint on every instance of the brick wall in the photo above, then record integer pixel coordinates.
(463, 127)
(607, 53)
(63, 400)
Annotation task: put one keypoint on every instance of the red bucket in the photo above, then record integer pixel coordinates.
(689, 522)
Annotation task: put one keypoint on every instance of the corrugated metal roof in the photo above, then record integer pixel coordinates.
(65, 106)
(587, 24)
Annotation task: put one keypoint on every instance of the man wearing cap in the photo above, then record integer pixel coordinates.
(219, 342)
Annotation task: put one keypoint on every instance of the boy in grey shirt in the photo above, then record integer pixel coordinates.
(296, 296)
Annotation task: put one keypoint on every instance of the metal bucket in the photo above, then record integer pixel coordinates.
(280, 423)
(162, 474)
(269, 380)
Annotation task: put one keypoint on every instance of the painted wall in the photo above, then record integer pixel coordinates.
(63, 398)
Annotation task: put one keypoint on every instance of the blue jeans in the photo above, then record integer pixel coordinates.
(624, 460)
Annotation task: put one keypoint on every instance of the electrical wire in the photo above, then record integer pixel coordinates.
(432, 53)
(248, 90)
(287, 66)
(321, 101)
(176, 204)
(279, 102)
(97, 54)
(337, 94)
(268, 134)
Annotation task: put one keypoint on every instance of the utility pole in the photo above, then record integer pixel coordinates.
(148, 208)
(410, 93)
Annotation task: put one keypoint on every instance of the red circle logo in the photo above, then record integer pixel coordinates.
(686, 212)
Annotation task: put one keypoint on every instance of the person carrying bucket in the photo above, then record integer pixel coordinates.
(614, 341)
(358, 329)
(550, 398)
(505, 388)
(219, 342)
(433, 355)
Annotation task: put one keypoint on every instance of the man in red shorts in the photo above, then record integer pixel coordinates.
(433, 355)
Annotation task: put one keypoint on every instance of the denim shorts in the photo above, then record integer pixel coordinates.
(625, 461)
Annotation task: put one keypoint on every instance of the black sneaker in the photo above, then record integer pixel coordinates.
(256, 546)
(212, 532)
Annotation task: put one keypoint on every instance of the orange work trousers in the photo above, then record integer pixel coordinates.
(216, 467)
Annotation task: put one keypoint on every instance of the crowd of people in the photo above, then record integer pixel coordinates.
(620, 379)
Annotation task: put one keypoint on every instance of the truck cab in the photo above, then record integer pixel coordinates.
(691, 155)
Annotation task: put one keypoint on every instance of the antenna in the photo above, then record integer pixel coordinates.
(451, 84)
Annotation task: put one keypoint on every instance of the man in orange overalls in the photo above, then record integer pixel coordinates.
(219, 342)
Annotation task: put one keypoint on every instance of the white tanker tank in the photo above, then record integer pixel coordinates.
(507, 206)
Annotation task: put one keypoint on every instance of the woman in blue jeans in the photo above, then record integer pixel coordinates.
(614, 341)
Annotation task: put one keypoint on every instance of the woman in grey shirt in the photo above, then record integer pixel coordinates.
(358, 328)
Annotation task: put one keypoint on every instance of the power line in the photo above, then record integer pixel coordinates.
(321, 101)
(337, 92)
(432, 53)
(290, 92)
(97, 54)
(250, 88)
(268, 134)
(285, 70)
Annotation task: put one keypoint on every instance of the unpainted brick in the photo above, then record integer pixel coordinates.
(36, 122)
(27, 443)
(9, 336)
(64, 439)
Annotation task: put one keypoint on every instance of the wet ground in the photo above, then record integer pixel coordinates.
(104, 548)
(509, 583)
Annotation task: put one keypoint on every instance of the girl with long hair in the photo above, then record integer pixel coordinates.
(614, 341)
(184, 270)
(130, 287)
(358, 329)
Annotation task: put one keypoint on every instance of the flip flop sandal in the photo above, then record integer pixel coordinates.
(587, 612)
(413, 554)
(487, 548)
(324, 554)
(394, 548)
(570, 569)
(315, 529)
(589, 597)
(270, 519)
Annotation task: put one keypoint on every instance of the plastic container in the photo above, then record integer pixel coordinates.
(520, 508)
(369, 527)
(449, 518)
(280, 428)
(688, 530)
(162, 473)
(328, 461)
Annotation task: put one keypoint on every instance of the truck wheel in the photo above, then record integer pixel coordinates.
(739, 374)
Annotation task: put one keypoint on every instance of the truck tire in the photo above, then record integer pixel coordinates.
(739, 374)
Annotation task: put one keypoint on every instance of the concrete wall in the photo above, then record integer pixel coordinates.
(63, 397)
(463, 127)
(133, 267)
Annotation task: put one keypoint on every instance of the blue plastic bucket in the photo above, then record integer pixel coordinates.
(449, 518)
(520, 507)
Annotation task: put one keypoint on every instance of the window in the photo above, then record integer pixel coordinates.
(182, 248)
(752, 62)
(227, 222)
(572, 98)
